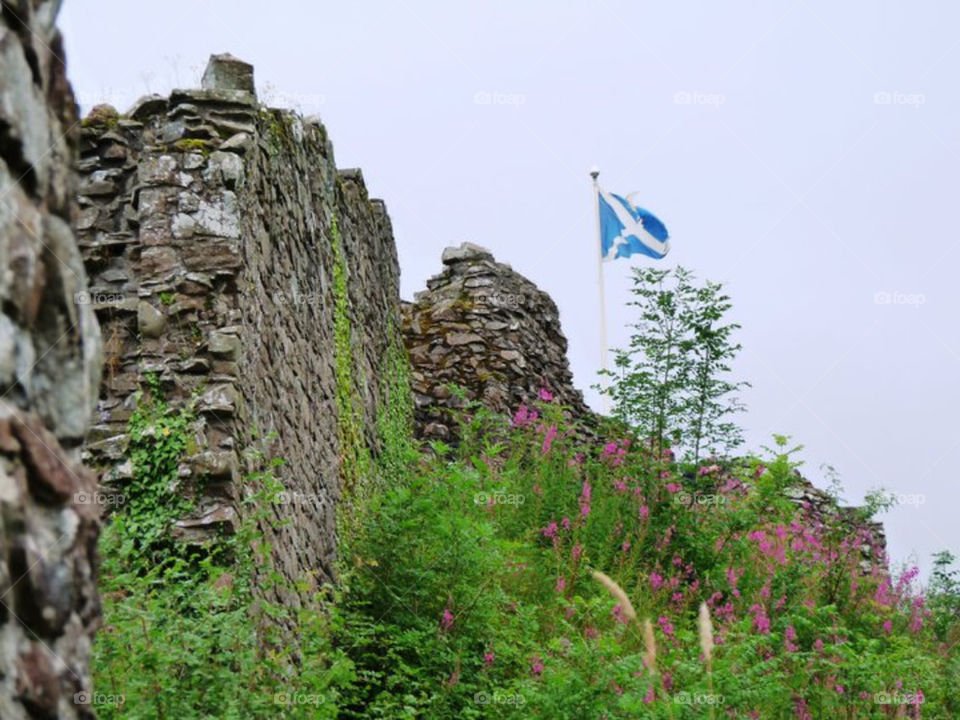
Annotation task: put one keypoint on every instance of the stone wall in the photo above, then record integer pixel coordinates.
(206, 228)
(49, 373)
(488, 329)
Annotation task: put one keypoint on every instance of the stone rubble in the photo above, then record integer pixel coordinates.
(484, 327)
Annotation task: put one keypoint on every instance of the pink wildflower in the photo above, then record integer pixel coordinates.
(576, 551)
(550, 530)
(548, 439)
(586, 491)
(761, 623)
(666, 626)
(536, 667)
(565, 523)
(546, 395)
(524, 417)
(789, 637)
(585, 499)
(446, 620)
(644, 511)
(561, 584)
(656, 581)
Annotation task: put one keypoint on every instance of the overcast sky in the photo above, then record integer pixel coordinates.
(805, 153)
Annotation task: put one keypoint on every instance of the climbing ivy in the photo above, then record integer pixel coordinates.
(355, 459)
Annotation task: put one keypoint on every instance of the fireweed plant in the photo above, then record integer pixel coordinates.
(532, 573)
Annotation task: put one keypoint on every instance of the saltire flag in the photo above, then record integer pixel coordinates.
(626, 229)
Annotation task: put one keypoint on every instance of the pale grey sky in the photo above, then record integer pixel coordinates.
(806, 153)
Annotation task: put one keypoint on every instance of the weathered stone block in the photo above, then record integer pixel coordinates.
(225, 72)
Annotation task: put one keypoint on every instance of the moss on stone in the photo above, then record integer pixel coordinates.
(205, 147)
(101, 116)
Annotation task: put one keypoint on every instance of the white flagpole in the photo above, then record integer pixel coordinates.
(595, 173)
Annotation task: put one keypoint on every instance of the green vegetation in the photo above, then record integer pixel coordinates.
(532, 570)
(205, 147)
(672, 383)
(184, 635)
(472, 596)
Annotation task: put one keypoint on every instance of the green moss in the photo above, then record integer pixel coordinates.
(101, 116)
(356, 463)
(204, 147)
(463, 304)
(275, 129)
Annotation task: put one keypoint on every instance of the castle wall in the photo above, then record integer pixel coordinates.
(207, 232)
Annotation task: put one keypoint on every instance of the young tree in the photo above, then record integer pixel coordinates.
(711, 395)
(672, 383)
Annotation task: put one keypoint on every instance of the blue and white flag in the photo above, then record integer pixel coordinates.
(626, 229)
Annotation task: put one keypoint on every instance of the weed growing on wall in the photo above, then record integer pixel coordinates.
(184, 635)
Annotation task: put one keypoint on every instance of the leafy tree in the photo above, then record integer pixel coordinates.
(673, 382)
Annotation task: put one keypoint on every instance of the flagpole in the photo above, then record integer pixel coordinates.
(594, 174)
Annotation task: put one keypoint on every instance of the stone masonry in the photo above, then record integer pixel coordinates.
(206, 228)
(483, 326)
(49, 373)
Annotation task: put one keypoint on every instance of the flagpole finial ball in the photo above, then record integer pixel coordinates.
(594, 172)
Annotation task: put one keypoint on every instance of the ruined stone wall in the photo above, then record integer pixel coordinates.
(488, 329)
(206, 229)
(483, 326)
(49, 374)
